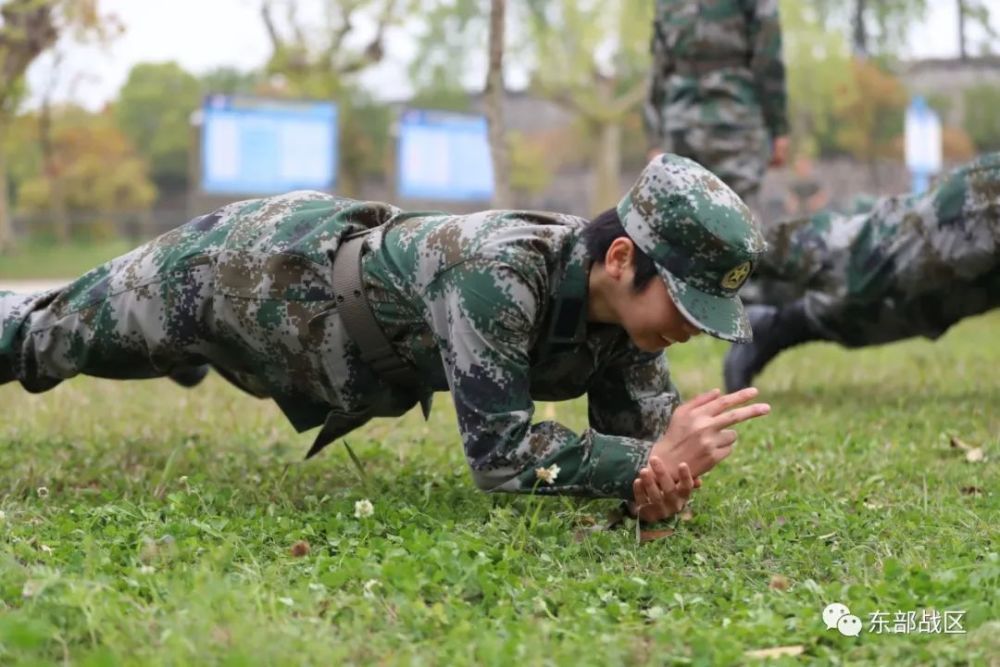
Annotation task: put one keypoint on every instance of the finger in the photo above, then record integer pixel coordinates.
(651, 486)
(723, 452)
(701, 399)
(663, 476)
(639, 495)
(726, 401)
(726, 438)
(697, 482)
(686, 483)
(740, 415)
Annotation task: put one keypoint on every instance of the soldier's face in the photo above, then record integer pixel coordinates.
(649, 315)
(652, 320)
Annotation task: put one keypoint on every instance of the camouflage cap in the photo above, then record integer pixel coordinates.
(702, 237)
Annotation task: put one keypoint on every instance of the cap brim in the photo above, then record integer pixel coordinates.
(719, 316)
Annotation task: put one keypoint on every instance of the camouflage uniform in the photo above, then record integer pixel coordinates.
(913, 265)
(490, 306)
(718, 86)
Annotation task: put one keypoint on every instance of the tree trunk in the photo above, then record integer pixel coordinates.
(6, 226)
(57, 199)
(493, 99)
(860, 31)
(962, 53)
(607, 166)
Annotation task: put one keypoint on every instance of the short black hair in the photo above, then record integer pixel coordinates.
(601, 232)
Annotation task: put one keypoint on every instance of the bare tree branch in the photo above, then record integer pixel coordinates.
(272, 32)
(298, 35)
(29, 29)
(374, 51)
(630, 98)
(346, 25)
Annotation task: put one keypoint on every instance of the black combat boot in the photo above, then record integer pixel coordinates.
(775, 328)
(189, 376)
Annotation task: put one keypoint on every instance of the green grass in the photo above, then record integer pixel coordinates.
(167, 530)
(53, 261)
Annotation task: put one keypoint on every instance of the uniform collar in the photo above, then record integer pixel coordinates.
(568, 323)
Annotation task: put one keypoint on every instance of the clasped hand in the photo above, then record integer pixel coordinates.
(697, 438)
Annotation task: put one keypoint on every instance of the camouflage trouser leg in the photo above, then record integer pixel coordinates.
(911, 266)
(137, 316)
(737, 155)
(855, 323)
(11, 308)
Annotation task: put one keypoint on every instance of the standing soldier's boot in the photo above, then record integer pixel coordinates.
(775, 328)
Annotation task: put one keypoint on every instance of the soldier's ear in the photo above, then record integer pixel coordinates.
(620, 257)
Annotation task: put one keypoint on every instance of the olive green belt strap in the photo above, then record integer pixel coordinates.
(359, 319)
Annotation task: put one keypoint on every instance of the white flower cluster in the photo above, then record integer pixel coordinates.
(549, 474)
(363, 508)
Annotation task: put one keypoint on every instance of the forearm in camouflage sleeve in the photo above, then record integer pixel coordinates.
(483, 314)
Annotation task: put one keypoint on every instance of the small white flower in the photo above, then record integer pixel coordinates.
(42, 491)
(3, 515)
(549, 474)
(369, 587)
(363, 508)
(654, 613)
(147, 569)
(31, 588)
(45, 548)
(288, 602)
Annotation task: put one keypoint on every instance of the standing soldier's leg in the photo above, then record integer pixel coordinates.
(913, 265)
(737, 155)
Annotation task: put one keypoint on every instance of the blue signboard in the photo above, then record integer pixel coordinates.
(444, 156)
(923, 143)
(260, 146)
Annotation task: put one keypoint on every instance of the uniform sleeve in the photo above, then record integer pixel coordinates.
(767, 65)
(660, 70)
(633, 395)
(483, 314)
